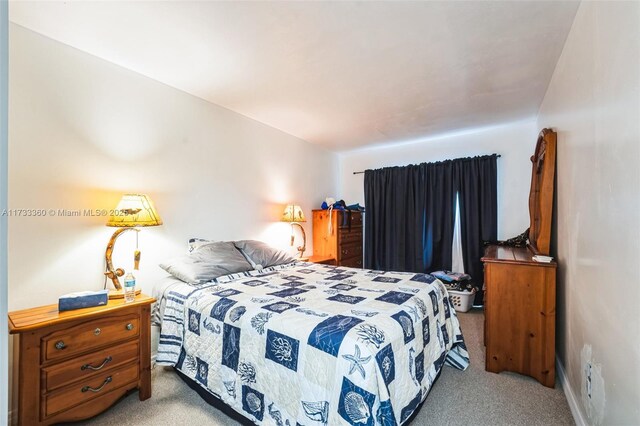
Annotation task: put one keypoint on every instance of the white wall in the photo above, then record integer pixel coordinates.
(4, 350)
(82, 131)
(515, 142)
(593, 102)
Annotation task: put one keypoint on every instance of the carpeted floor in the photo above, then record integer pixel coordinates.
(471, 397)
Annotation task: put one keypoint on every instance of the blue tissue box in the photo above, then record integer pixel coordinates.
(82, 299)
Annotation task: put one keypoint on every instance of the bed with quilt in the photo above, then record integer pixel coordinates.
(308, 344)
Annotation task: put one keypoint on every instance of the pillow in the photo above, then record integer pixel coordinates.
(194, 243)
(207, 262)
(261, 255)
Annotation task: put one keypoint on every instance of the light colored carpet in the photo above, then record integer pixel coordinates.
(471, 397)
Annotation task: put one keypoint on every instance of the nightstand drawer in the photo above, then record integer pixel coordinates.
(87, 366)
(89, 335)
(85, 390)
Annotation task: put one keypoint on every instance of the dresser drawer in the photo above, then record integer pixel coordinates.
(86, 390)
(354, 262)
(353, 236)
(89, 335)
(88, 366)
(350, 250)
(356, 220)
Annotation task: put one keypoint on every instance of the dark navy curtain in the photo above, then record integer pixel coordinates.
(395, 211)
(411, 214)
(476, 182)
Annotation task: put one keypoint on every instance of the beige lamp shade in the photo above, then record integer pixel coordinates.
(293, 213)
(135, 210)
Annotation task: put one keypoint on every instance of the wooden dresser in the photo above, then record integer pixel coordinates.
(342, 241)
(520, 298)
(72, 365)
(520, 313)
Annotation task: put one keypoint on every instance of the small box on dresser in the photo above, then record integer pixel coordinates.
(72, 365)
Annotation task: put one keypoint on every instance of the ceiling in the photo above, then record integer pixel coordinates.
(339, 74)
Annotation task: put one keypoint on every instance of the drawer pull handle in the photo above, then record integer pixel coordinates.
(129, 326)
(97, 331)
(91, 367)
(98, 389)
(60, 345)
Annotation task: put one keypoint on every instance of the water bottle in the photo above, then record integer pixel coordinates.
(129, 288)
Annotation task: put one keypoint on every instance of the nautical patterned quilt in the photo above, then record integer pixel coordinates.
(314, 344)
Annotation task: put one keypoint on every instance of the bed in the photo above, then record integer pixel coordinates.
(307, 344)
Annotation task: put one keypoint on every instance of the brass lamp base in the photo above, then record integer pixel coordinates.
(119, 294)
(303, 247)
(112, 273)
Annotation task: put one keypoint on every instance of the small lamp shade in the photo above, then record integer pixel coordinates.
(135, 210)
(293, 213)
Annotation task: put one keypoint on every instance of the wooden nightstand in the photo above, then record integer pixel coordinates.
(325, 260)
(72, 365)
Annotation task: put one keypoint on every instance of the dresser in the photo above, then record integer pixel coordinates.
(520, 313)
(72, 365)
(520, 297)
(342, 240)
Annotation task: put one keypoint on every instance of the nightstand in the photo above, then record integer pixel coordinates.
(325, 260)
(72, 365)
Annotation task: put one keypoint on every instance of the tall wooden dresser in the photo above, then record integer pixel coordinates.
(520, 297)
(338, 236)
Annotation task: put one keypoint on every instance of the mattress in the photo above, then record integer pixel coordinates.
(313, 344)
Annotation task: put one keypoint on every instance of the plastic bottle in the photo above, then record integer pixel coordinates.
(129, 288)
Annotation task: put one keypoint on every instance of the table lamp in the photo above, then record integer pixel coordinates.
(293, 214)
(133, 211)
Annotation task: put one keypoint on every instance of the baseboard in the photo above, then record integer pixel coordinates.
(572, 398)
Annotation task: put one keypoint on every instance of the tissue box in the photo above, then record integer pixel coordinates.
(82, 299)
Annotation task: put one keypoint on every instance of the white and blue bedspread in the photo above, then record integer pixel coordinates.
(311, 344)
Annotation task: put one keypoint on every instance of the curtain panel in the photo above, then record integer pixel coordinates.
(411, 214)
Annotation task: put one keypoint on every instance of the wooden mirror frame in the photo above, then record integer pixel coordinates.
(541, 193)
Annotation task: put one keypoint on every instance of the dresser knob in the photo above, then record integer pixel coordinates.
(97, 331)
(60, 345)
(129, 326)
